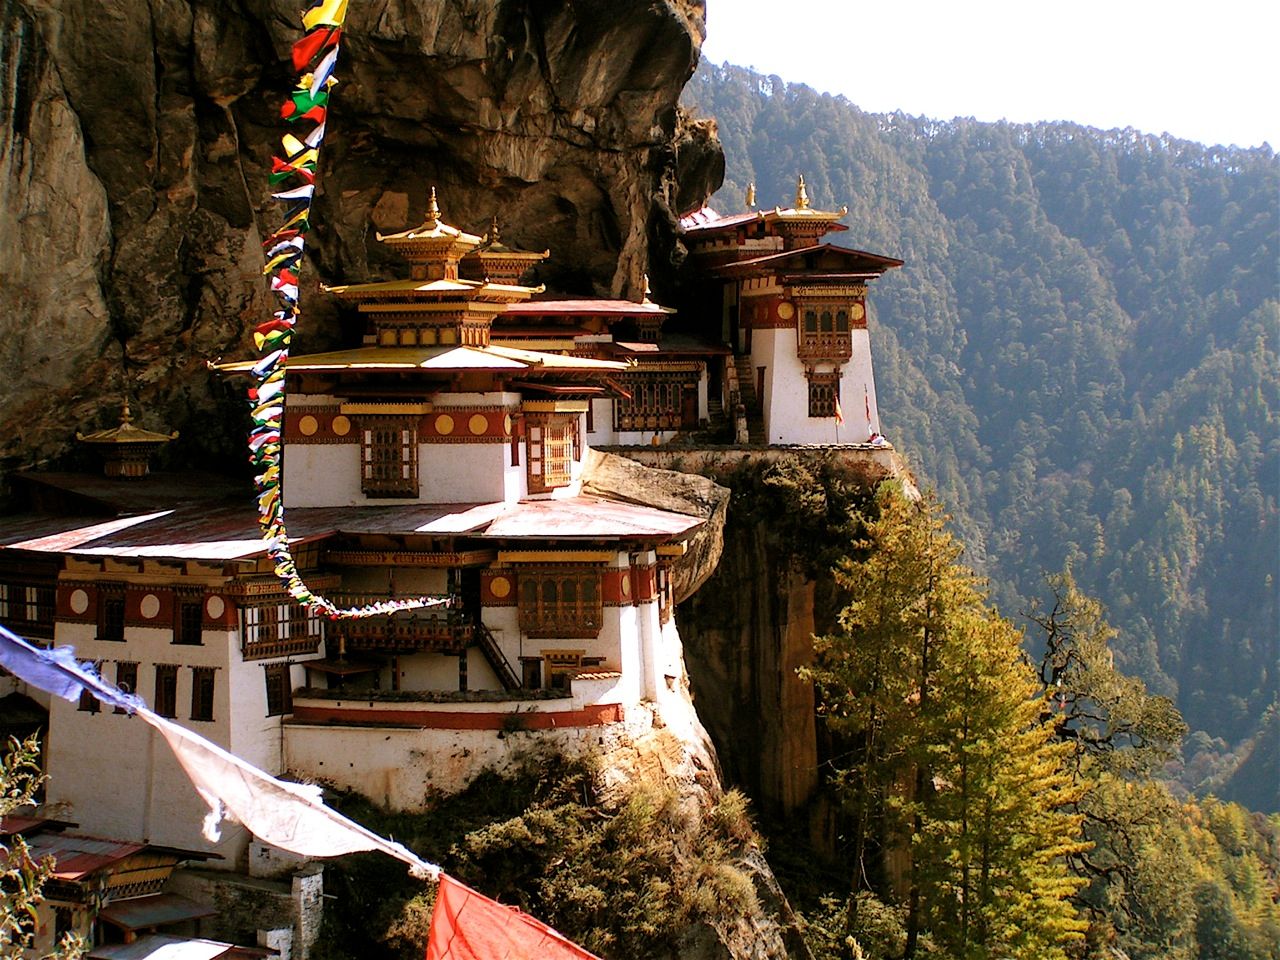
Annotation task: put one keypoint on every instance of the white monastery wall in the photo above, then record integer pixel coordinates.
(856, 378)
(322, 475)
(115, 774)
(403, 768)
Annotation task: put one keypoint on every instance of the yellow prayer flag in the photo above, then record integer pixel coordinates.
(330, 13)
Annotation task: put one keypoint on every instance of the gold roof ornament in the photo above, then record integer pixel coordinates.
(802, 195)
(497, 261)
(433, 210)
(126, 449)
(751, 195)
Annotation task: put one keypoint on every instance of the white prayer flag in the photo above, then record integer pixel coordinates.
(290, 816)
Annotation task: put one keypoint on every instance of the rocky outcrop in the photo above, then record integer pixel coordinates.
(136, 136)
(618, 478)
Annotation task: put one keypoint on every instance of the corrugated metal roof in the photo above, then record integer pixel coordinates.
(159, 946)
(587, 518)
(77, 856)
(156, 910)
(431, 358)
(598, 307)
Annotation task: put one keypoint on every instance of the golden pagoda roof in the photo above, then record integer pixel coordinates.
(477, 289)
(432, 233)
(801, 210)
(492, 246)
(125, 433)
(437, 358)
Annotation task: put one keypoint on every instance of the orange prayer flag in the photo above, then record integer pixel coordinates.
(467, 925)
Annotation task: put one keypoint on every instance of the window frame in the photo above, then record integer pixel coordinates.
(543, 610)
(382, 453)
(166, 690)
(279, 686)
(203, 693)
(824, 393)
(111, 628)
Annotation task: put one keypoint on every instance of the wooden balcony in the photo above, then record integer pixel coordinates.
(833, 346)
(403, 633)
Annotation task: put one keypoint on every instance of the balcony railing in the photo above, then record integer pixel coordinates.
(825, 346)
(428, 630)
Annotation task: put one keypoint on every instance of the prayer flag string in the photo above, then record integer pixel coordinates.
(293, 176)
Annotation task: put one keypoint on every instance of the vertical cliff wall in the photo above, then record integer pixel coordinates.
(136, 136)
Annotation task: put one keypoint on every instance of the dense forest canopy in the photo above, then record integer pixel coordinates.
(1081, 356)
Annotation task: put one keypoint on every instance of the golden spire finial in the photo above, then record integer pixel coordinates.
(751, 194)
(125, 416)
(802, 195)
(433, 208)
(494, 235)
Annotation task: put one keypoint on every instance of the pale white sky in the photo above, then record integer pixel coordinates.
(1205, 70)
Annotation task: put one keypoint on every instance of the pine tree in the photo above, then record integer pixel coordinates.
(950, 750)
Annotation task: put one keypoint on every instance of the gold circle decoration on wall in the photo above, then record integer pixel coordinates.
(79, 601)
(308, 425)
(478, 424)
(857, 311)
(500, 587)
(785, 310)
(341, 425)
(215, 607)
(506, 425)
(150, 606)
(444, 424)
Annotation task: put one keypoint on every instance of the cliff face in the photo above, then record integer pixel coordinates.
(136, 136)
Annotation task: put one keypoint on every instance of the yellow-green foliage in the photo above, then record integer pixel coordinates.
(630, 878)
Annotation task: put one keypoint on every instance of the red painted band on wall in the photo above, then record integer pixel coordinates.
(592, 716)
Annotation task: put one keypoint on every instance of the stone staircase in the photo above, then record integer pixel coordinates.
(747, 391)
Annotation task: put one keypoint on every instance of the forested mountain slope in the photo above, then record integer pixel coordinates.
(1080, 355)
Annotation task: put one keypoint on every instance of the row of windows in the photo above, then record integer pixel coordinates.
(26, 603)
(561, 603)
(188, 618)
(656, 404)
(280, 630)
(389, 456)
(164, 701)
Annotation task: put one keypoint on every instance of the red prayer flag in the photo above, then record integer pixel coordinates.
(309, 47)
(839, 412)
(469, 926)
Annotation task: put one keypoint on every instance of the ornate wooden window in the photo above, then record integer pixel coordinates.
(824, 393)
(824, 333)
(280, 630)
(166, 699)
(279, 689)
(657, 402)
(202, 687)
(28, 608)
(389, 457)
(550, 453)
(561, 602)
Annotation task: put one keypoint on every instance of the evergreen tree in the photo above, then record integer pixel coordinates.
(950, 755)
